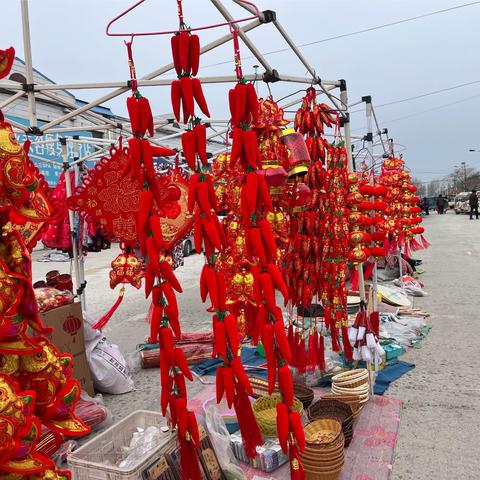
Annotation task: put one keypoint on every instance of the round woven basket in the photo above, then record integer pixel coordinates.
(322, 432)
(352, 378)
(330, 408)
(324, 466)
(303, 393)
(361, 391)
(260, 387)
(334, 409)
(265, 411)
(318, 457)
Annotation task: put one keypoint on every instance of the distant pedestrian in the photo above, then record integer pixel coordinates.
(425, 206)
(441, 204)
(473, 202)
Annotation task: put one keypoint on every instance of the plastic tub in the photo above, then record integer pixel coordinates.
(88, 462)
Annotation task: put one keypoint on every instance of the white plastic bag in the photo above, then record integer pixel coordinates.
(220, 438)
(110, 373)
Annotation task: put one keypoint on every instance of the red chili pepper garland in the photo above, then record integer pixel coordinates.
(160, 280)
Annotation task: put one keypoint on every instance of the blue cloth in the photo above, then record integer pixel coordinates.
(250, 357)
(389, 374)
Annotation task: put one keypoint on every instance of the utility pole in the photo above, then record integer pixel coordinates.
(464, 165)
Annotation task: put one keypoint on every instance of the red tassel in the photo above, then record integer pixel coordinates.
(347, 348)
(302, 356)
(107, 316)
(251, 436)
(335, 341)
(312, 352)
(375, 323)
(369, 270)
(296, 467)
(290, 338)
(321, 353)
(424, 241)
(415, 245)
(189, 461)
(354, 280)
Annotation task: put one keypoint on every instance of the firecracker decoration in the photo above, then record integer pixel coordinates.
(252, 141)
(231, 379)
(403, 214)
(161, 283)
(335, 248)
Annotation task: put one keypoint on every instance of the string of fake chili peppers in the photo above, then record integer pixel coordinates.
(160, 280)
(231, 378)
(262, 252)
(310, 120)
(334, 293)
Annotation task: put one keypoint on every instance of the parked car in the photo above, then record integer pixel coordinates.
(188, 246)
(461, 203)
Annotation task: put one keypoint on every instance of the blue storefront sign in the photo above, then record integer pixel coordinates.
(52, 151)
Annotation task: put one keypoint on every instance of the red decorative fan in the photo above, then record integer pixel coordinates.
(113, 200)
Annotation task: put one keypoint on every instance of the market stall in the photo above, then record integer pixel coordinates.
(285, 270)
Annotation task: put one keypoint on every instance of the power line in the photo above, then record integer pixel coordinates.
(433, 92)
(439, 107)
(357, 32)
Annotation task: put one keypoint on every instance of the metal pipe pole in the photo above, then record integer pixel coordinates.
(302, 59)
(154, 74)
(346, 128)
(27, 48)
(369, 115)
(71, 220)
(82, 129)
(250, 45)
(11, 99)
(378, 128)
(93, 116)
(350, 168)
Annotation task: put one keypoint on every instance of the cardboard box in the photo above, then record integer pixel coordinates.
(68, 337)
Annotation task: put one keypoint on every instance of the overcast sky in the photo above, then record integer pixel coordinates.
(69, 45)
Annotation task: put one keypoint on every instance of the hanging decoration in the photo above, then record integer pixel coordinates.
(232, 381)
(403, 212)
(35, 379)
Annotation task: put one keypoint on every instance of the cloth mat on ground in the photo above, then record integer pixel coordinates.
(250, 358)
(389, 374)
(369, 456)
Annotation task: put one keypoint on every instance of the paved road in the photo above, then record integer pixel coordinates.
(440, 419)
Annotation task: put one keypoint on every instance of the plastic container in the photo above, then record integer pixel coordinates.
(88, 462)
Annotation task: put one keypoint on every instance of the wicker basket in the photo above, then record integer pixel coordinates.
(265, 411)
(300, 390)
(322, 432)
(334, 409)
(318, 456)
(330, 408)
(260, 387)
(351, 379)
(303, 393)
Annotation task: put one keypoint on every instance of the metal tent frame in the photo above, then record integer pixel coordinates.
(100, 123)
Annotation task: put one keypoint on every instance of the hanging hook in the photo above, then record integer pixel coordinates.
(143, 34)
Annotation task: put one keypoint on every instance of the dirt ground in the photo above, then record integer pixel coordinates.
(441, 396)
